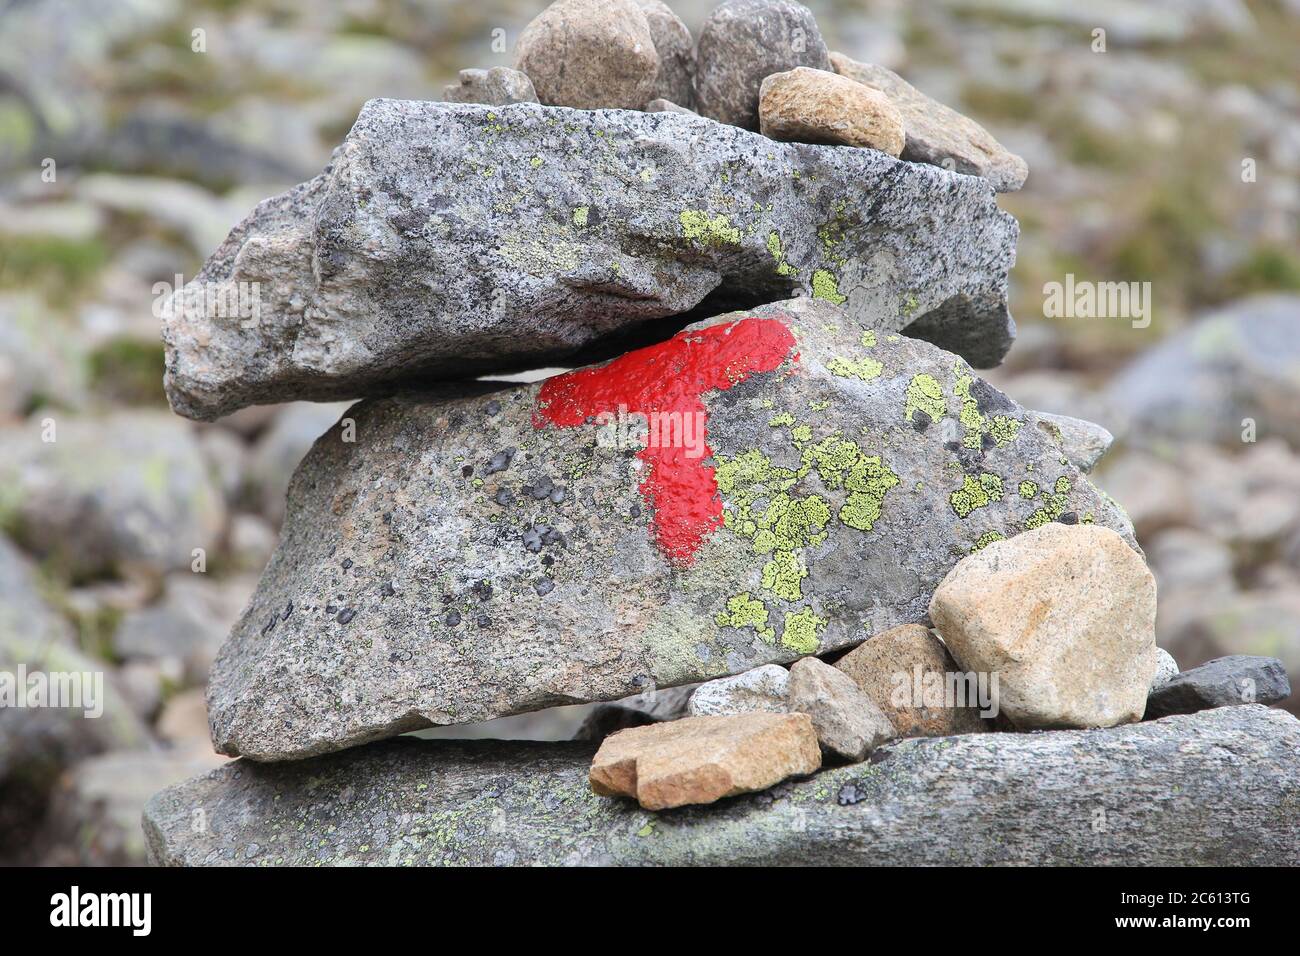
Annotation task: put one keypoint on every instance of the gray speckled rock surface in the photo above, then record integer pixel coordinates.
(452, 239)
(744, 41)
(1084, 443)
(764, 688)
(467, 558)
(1220, 787)
(937, 134)
(1166, 668)
(499, 86)
(1222, 682)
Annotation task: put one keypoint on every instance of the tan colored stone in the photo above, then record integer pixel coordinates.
(590, 54)
(1064, 615)
(937, 134)
(889, 665)
(703, 759)
(804, 105)
(847, 722)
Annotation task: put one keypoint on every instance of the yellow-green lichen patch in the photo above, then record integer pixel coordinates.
(826, 286)
(1055, 506)
(784, 418)
(986, 539)
(865, 369)
(580, 216)
(784, 574)
(869, 339)
(744, 610)
(703, 231)
(801, 630)
(925, 394)
(789, 523)
(1028, 489)
(842, 464)
(783, 268)
(975, 493)
(801, 434)
(1001, 428)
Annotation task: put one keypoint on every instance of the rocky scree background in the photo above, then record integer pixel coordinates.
(1136, 157)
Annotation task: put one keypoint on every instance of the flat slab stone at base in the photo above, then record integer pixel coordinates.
(1219, 787)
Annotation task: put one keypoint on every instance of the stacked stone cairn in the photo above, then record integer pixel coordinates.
(774, 517)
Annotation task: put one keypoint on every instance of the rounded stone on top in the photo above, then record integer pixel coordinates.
(676, 50)
(804, 105)
(744, 41)
(590, 54)
(1064, 615)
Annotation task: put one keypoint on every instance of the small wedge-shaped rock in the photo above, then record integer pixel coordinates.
(913, 679)
(1219, 787)
(499, 86)
(1223, 682)
(806, 482)
(449, 240)
(937, 134)
(764, 688)
(847, 722)
(1064, 616)
(703, 759)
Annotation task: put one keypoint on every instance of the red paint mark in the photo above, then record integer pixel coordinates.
(671, 377)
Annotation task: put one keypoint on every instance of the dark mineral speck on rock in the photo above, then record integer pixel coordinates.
(499, 462)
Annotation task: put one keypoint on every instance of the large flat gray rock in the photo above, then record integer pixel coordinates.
(1219, 787)
(466, 558)
(449, 240)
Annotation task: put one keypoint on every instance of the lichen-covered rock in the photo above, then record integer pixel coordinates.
(676, 50)
(848, 723)
(451, 240)
(1214, 788)
(744, 41)
(1065, 616)
(906, 671)
(764, 688)
(499, 86)
(126, 493)
(590, 55)
(814, 106)
(1223, 682)
(937, 134)
(472, 557)
(703, 759)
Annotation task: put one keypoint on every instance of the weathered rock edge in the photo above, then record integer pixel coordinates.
(464, 559)
(1221, 787)
(449, 240)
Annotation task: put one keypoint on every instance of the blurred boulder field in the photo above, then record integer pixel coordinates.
(135, 134)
